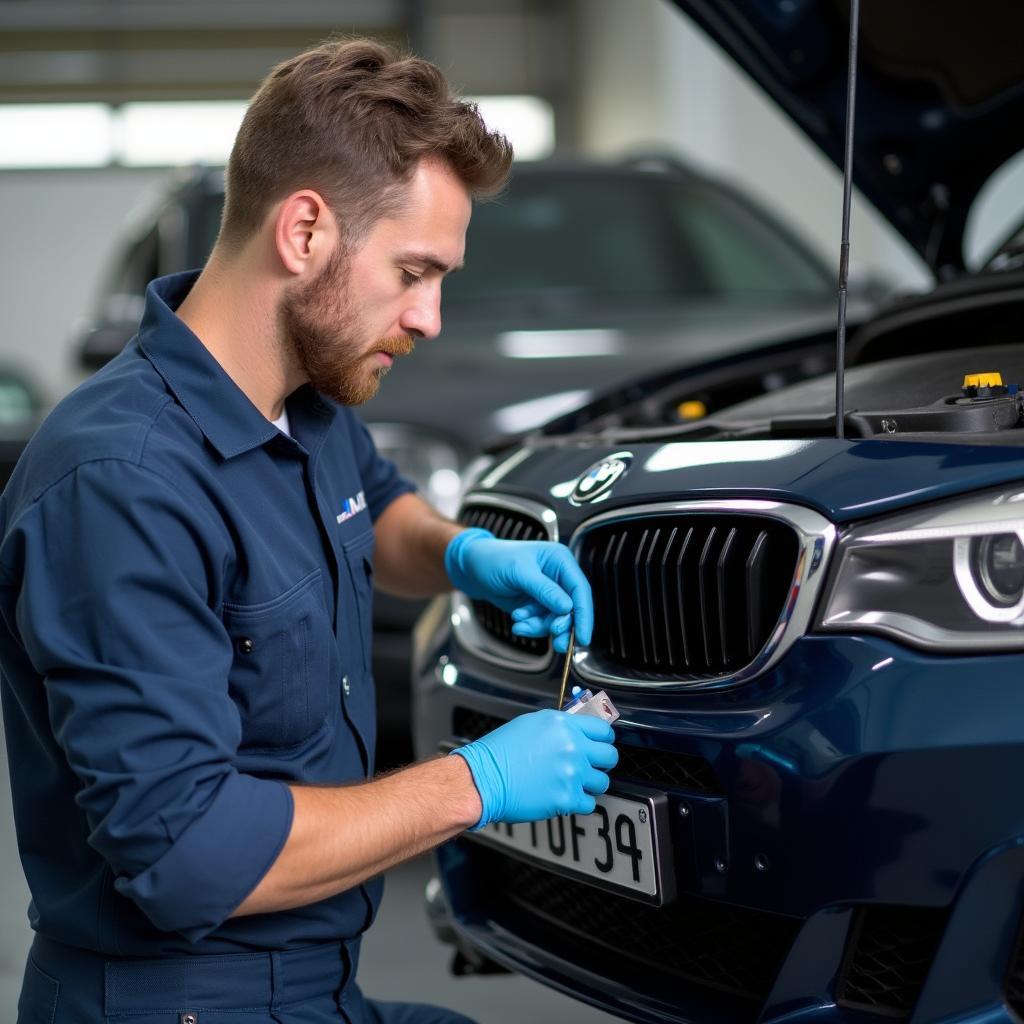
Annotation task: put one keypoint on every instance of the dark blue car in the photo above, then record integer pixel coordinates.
(816, 644)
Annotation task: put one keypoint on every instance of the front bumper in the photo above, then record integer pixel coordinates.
(852, 848)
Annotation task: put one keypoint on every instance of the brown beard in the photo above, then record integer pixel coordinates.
(321, 328)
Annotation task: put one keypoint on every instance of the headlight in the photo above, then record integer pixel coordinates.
(990, 573)
(950, 577)
(430, 462)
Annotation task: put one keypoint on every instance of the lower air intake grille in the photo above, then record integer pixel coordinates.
(505, 524)
(687, 596)
(713, 945)
(889, 954)
(661, 768)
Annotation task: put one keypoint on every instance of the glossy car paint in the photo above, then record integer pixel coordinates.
(845, 480)
(855, 771)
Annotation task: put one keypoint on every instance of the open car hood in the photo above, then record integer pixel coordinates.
(940, 97)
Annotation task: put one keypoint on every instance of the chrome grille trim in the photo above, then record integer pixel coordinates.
(816, 538)
(468, 631)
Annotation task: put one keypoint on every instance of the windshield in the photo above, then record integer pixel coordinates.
(627, 239)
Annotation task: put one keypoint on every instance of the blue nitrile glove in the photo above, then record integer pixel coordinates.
(538, 581)
(541, 764)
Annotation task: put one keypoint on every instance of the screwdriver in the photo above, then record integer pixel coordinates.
(565, 669)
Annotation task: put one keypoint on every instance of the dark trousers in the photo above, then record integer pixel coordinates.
(66, 985)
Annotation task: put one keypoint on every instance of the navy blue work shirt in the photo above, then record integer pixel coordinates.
(186, 623)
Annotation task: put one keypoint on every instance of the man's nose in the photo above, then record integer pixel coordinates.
(424, 318)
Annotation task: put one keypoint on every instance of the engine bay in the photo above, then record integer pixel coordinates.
(967, 394)
(912, 373)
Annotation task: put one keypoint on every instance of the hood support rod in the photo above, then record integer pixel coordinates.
(844, 247)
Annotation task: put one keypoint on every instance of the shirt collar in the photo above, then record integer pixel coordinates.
(221, 410)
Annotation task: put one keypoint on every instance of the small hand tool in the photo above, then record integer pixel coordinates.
(568, 665)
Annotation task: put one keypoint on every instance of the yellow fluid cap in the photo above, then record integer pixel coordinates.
(692, 410)
(983, 380)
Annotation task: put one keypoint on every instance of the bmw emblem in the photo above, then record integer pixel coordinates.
(597, 481)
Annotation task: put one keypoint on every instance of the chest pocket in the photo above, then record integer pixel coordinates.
(279, 676)
(359, 561)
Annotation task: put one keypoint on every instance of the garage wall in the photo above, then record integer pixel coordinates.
(60, 228)
(59, 231)
(649, 78)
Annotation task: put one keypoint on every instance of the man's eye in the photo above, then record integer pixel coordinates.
(409, 278)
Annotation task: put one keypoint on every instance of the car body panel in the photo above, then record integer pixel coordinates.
(964, 986)
(873, 755)
(859, 764)
(856, 775)
(843, 479)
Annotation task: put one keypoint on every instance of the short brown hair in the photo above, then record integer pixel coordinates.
(350, 119)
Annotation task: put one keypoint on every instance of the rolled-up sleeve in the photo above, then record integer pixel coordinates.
(119, 613)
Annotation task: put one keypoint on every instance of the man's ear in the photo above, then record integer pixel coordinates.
(305, 232)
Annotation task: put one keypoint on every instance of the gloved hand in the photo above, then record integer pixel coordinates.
(539, 582)
(539, 765)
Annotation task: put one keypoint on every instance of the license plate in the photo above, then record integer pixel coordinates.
(621, 846)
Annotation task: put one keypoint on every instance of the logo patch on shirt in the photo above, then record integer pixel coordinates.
(352, 507)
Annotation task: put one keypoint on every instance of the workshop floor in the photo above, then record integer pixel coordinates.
(401, 959)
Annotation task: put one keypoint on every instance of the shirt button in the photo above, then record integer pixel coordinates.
(189, 1018)
(344, 685)
(245, 645)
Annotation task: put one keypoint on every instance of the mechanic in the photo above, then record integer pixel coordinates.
(188, 558)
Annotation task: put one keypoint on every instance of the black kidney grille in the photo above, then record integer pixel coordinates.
(687, 596)
(660, 768)
(888, 956)
(505, 524)
(715, 945)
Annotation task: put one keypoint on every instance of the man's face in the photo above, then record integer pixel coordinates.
(368, 305)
